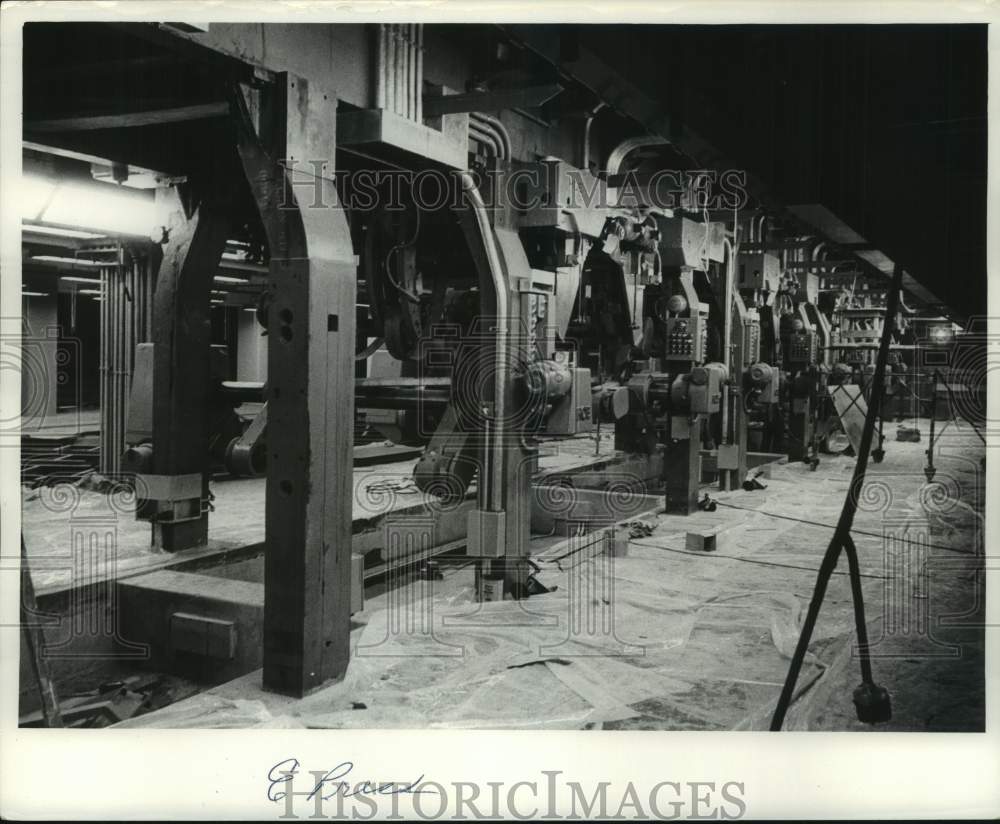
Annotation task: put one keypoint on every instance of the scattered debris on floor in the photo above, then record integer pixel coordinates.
(639, 529)
(115, 701)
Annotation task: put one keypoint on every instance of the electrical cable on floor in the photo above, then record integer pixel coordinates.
(833, 526)
(746, 560)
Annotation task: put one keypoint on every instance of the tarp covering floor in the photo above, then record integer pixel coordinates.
(668, 638)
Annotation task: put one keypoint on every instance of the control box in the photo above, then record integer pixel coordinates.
(801, 348)
(751, 337)
(686, 339)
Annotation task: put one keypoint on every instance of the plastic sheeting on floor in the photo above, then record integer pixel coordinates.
(663, 638)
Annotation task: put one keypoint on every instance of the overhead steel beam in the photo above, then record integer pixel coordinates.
(590, 71)
(603, 80)
(127, 120)
(821, 219)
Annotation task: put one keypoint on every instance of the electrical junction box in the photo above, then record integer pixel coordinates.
(685, 242)
(728, 456)
(802, 347)
(486, 534)
(558, 195)
(758, 271)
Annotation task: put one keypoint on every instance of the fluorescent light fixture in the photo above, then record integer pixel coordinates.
(98, 206)
(70, 260)
(74, 279)
(226, 279)
(57, 232)
(34, 294)
(88, 291)
(217, 300)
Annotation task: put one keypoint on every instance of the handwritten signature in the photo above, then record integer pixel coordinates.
(283, 773)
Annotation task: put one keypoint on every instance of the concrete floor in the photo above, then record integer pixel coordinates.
(53, 517)
(699, 640)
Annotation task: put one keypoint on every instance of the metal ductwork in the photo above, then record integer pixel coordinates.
(399, 75)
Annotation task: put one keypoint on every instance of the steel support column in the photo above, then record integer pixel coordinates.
(126, 318)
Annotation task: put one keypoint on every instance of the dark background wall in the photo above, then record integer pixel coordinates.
(885, 125)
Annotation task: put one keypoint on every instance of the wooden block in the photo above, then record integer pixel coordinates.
(357, 583)
(202, 635)
(705, 540)
(728, 456)
(616, 542)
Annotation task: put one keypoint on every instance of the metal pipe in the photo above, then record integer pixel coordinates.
(401, 383)
(478, 121)
(420, 73)
(390, 68)
(488, 136)
(103, 372)
(727, 332)
(400, 70)
(629, 145)
(407, 77)
(380, 66)
(387, 36)
(404, 401)
(494, 441)
(586, 133)
(485, 137)
(112, 296)
(411, 53)
(500, 129)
